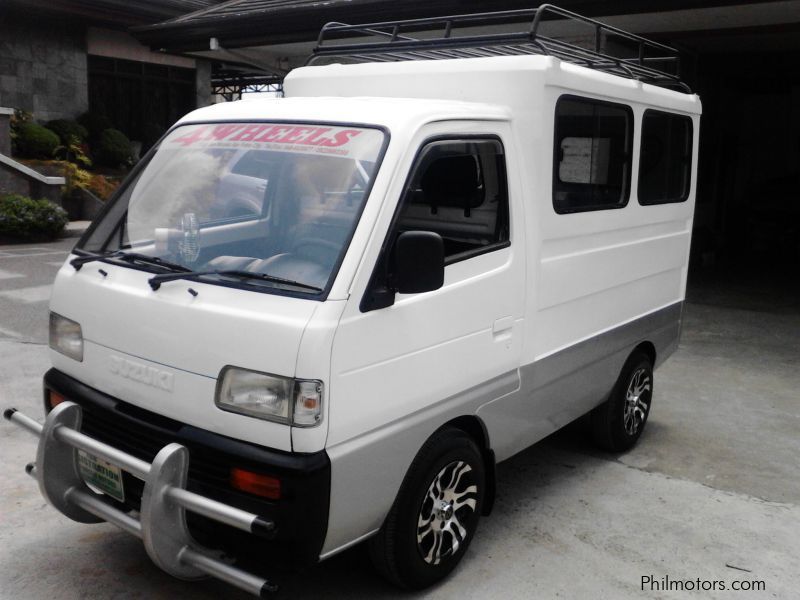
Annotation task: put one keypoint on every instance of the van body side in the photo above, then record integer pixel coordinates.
(592, 287)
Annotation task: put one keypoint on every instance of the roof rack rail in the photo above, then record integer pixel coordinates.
(445, 37)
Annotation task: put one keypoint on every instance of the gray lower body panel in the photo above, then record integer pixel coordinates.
(517, 409)
(559, 388)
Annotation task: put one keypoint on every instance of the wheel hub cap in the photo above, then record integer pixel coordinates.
(446, 511)
(637, 401)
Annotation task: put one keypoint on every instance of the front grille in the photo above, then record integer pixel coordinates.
(208, 470)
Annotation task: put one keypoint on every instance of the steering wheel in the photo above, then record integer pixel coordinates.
(328, 250)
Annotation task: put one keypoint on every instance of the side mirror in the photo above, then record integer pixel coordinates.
(419, 262)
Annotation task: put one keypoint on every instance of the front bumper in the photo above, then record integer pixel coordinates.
(159, 456)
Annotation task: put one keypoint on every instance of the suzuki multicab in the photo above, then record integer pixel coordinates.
(313, 321)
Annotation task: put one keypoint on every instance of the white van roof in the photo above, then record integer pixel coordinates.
(513, 81)
(392, 113)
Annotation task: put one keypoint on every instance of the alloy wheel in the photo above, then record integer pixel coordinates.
(446, 511)
(637, 400)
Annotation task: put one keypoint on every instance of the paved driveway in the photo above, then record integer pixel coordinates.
(710, 494)
(26, 275)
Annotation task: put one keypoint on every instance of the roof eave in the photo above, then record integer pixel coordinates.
(267, 26)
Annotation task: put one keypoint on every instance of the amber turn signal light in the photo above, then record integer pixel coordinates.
(256, 483)
(54, 398)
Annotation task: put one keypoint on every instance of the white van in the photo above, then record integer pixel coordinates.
(323, 319)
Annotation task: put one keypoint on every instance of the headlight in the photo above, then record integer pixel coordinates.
(285, 400)
(66, 337)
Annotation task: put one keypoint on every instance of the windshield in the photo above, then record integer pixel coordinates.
(275, 199)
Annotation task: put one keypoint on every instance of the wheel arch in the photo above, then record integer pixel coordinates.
(648, 348)
(474, 427)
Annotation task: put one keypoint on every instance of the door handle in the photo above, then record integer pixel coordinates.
(502, 328)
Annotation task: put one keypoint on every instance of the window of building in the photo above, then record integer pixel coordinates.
(140, 99)
(458, 189)
(665, 165)
(592, 155)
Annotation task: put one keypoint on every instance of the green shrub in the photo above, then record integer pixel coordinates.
(35, 141)
(95, 124)
(76, 178)
(18, 119)
(23, 217)
(74, 151)
(66, 130)
(114, 149)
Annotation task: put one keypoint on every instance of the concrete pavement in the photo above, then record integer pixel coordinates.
(711, 491)
(75, 229)
(26, 274)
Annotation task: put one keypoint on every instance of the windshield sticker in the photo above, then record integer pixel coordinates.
(306, 139)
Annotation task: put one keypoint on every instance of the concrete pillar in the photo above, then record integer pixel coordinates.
(203, 83)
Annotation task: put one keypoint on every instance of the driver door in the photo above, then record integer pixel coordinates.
(392, 362)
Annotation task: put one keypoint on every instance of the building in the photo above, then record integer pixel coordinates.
(61, 58)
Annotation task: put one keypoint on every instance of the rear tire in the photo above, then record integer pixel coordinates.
(619, 421)
(435, 514)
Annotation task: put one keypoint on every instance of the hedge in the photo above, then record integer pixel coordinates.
(35, 141)
(23, 217)
(66, 129)
(114, 149)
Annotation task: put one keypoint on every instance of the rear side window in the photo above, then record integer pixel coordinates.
(592, 155)
(665, 166)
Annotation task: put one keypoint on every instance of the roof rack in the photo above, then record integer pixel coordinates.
(449, 37)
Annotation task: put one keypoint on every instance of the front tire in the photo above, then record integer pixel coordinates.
(620, 420)
(435, 514)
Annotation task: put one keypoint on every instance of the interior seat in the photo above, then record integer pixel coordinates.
(230, 263)
(452, 181)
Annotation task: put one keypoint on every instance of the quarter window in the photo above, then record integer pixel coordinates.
(666, 158)
(592, 155)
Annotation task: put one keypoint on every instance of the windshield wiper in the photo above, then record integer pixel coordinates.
(87, 257)
(77, 263)
(152, 260)
(156, 281)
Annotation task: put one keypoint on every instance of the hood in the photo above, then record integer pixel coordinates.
(163, 350)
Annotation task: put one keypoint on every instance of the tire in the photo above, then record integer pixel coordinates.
(449, 468)
(617, 423)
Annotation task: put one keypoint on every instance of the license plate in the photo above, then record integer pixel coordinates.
(101, 475)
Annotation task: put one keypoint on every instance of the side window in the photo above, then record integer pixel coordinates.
(242, 184)
(458, 189)
(665, 166)
(252, 164)
(592, 155)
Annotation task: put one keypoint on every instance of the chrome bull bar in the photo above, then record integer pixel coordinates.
(162, 520)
